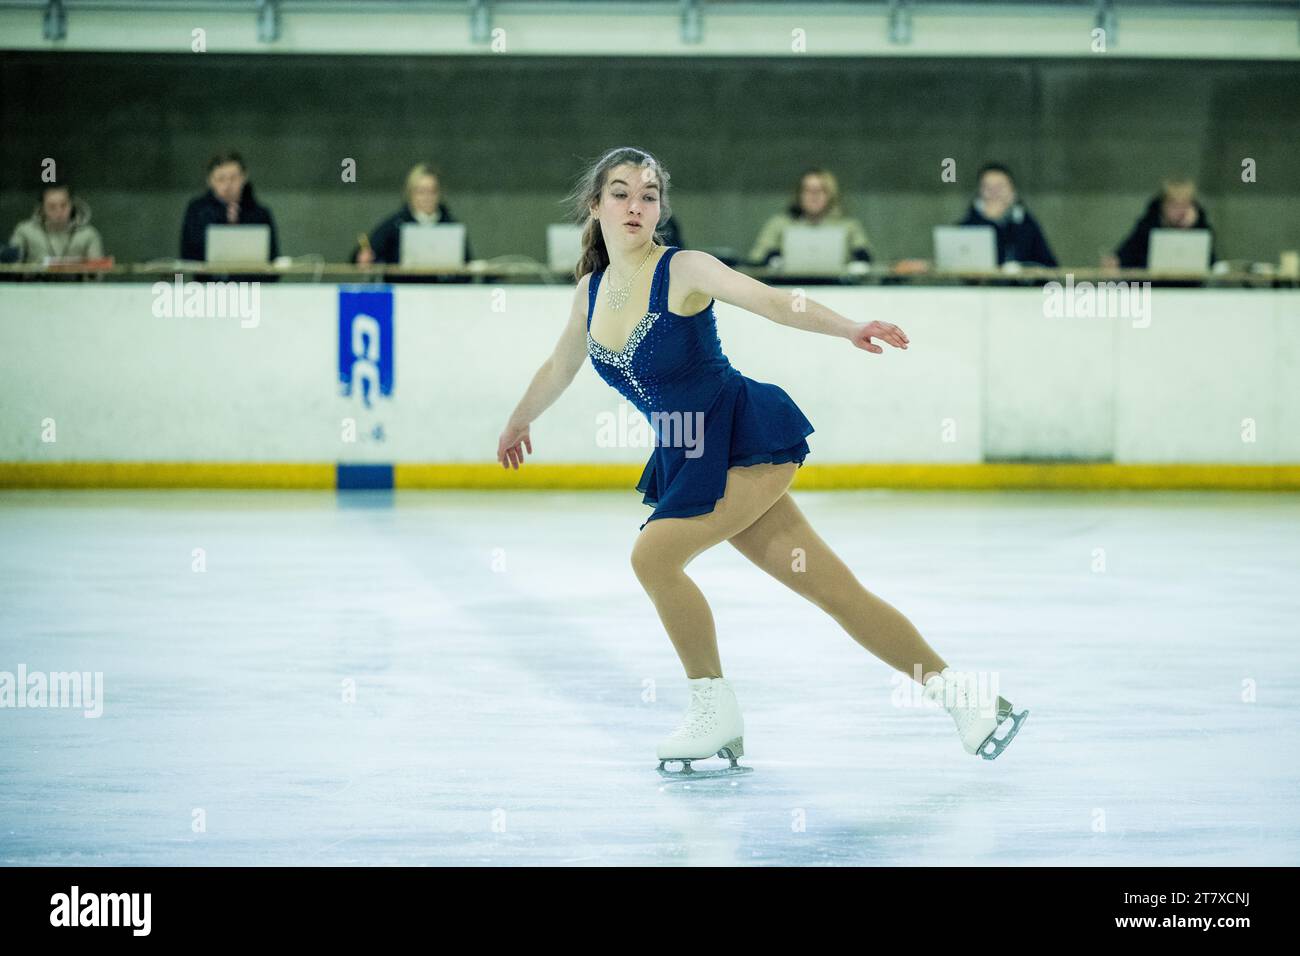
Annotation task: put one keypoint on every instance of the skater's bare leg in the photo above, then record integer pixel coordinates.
(826, 581)
(667, 545)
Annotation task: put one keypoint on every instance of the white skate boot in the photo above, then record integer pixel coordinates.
(712, 725)
(977, 719)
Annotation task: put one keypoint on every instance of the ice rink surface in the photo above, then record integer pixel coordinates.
(512, 680)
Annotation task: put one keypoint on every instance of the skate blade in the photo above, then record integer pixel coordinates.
(688, 772)
(693, 774)
(999, 744)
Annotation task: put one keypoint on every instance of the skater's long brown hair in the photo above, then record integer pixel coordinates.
(586, 193)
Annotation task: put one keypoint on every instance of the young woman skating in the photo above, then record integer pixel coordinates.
(727, 449)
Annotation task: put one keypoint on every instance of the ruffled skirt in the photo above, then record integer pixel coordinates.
(748, 423)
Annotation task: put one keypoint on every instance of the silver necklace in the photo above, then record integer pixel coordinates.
(618, 297)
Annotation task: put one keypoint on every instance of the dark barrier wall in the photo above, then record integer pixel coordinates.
(1088, 140)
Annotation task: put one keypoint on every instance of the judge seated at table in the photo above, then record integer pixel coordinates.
(59, 227)
(1175, 207)
(422, 203)
(1019, 237)
(228, 201)
(816, 202)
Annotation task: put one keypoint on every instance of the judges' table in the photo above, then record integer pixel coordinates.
(524, 269)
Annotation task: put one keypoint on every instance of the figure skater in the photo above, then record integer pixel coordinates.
(726, 451)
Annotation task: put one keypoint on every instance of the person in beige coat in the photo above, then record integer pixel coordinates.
(59, 226)
(816, 202)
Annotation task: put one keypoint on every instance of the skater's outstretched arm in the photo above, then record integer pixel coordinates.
(705, 277)
(549, 383)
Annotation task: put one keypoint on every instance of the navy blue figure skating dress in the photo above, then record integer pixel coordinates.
(673, 369)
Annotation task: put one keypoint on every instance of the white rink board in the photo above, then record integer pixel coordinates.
(988, 376)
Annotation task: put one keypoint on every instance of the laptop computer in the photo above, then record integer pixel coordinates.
(814, 250)
(238, 243)
(563, 246)
(965, 249)
(1178, 250)
(437, 245)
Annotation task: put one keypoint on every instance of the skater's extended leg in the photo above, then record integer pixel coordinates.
(783, 544)
(667, 545)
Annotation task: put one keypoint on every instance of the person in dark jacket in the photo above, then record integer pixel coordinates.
(229, 200)
(1019, 237)
(422, 204)
(1174, 208)
(671, 233)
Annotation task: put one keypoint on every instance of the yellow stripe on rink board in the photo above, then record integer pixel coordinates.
(925, 475)
(532, 475)
(166, 474)
(1048, 475)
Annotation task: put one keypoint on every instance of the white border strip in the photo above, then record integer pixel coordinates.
(654, 29)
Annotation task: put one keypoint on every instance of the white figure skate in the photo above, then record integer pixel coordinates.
(978, 722)
(712, 725)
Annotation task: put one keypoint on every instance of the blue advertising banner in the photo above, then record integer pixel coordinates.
(365, 371)
(366, 344)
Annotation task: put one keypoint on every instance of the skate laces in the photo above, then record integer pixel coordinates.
(699, 714)
(964, 710)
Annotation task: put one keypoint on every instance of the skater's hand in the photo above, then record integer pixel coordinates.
(511, 445)
(884, 331)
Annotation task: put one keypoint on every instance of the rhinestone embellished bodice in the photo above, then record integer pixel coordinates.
(622, 359)
(671, 362)
(674, 372)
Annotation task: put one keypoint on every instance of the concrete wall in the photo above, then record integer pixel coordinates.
(1089, 139)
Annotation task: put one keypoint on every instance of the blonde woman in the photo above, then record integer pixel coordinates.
(727, 449)
(422, 202)
(1175, 207)
(816, 202)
